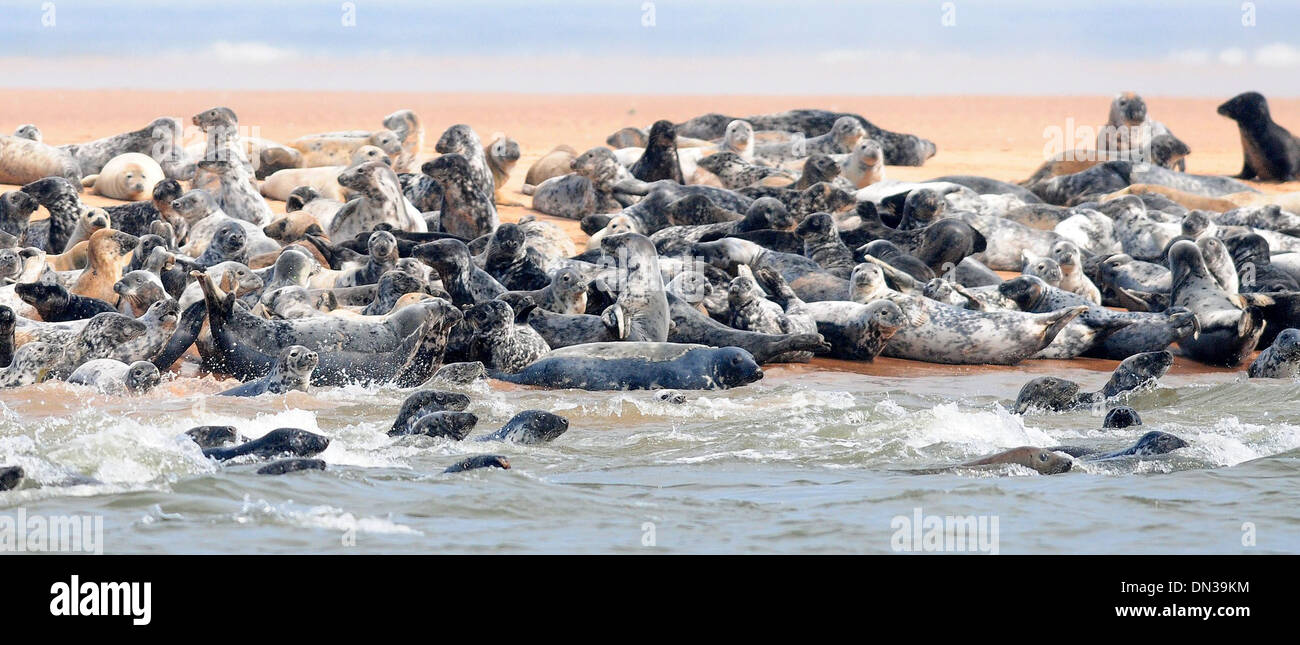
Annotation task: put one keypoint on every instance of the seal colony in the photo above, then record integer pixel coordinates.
(717, 245)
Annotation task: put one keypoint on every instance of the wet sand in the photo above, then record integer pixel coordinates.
(998, 137)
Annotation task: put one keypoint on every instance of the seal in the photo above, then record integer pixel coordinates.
(479, 461)
(556, 163)
(640, 366)
(659, 161)
(382, 257)
(235, 193)
(108, 253)
(91, 220)
(161, 137)
(29, 131)
(326, 150)
(460, 139)
(941, 333)
(55, 304)
(115, 377)
(229, 244)
(59, 197)
(213, 436)
(857, 332)
(822, 244)
(566, 294)
(460, 373)
(511, 262)
(900, 149)
(1150, 444)
(26, 161)
(32, 363)
(138, 290)
(1279, 360)
(641, 298)
(1231, 324)
(392, 286)
(530, 427)
(16, 208)
(292, 371)
(448, 424)
(1271, 152)
(1045, 462)
(137, 218)
(129, 177)
(1057, 394)
(1130, 133)
(323, 179)
(843, 135)
(1121, 417)
(498, 342)
(468, 209)
(464, 281)
(502, 154)
(11, 476)
(280, 441)
(380, 202)
(425, 402)
(1249, 255)
(7, 321)
(865, 165)
(286, 466)
(735, 172)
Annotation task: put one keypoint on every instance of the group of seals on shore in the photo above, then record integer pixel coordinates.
(798, 246)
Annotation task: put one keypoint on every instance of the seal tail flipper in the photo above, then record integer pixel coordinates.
(528, 189)
(765, 352)
(1058, 321)
(88, 181)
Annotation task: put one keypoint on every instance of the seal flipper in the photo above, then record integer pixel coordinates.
(1062, 318)
(763, 352)
(186, 332)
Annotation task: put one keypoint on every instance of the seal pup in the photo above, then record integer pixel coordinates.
(91, 220)
(32, 363)
(659, 161)
(112, 376)
(292, 371)
(1271, 152)
(1045, 462)
(1069, 259)
(379, 201)
(286, 466)
(557, 162)
(382, 257)
(631, 365)
(54, 303)
(280, 441)
(530, 427)
(138, 290)
(498, 341)
(11, 476)
(1231, 324)
(864, 165)
(127, 177)
(322, 179)
(752, 311)
(467, 208)
(1279, 360)
(479, 461)
(1057, 394)
(509, 260)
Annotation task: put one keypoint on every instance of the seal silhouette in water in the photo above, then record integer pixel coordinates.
(631, 365)
(280, 441)
(479, 461)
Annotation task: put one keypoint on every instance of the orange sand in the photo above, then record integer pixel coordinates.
(993, 136)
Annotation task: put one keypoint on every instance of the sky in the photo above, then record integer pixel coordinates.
(1189, 47)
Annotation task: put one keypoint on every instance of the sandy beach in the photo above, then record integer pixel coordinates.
(995, 136)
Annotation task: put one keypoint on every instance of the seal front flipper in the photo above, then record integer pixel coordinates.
(186, 332)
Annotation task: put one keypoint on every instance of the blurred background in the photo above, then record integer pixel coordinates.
(888, 47)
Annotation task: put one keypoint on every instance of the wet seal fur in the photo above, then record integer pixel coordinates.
(640, 366)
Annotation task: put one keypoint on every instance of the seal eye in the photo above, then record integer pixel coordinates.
(1042, 456)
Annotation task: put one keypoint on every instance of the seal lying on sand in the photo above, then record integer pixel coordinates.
(1231, 324)
(1057, 394)
(640, 366)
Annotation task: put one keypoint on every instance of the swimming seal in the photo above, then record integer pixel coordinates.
(292, 371)
(640, 366)
(115, 377)
(1057, 394)
(32, 363)
(1271, 152)
(1279, 360)
(213, 436)
(285, 466)
(1045, 462)
(424, 402)
(11, 476)
(479, 461)
(530, 427)
(448, 424)
(280, 441)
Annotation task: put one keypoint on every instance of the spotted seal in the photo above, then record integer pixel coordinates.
(59, 197)
(640, 366)
(16, 208)
(1279, 360)
(115, 377)
(1231, 324)
(380, 201)
(1056, 394)
(32, 363)
(280, 441)
(530, 427)
(468, 209)
(735, 172)
(511, 262)
(448, 424)
(1271, 152)
(292, 371)
(425, 402)
(499, 343)
(502, 154)
(566, 293)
